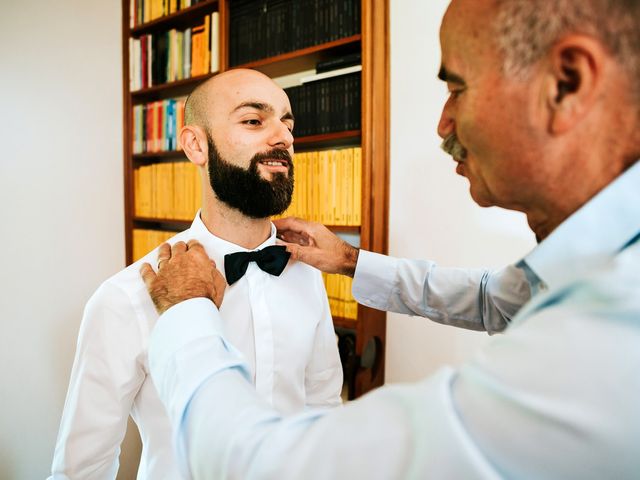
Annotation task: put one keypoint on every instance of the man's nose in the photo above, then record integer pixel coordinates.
(446, 125)
(281, 136)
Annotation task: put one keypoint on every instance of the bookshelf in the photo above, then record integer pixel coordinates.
(368, 332)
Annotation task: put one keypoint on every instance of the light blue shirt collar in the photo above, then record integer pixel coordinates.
(602, 227)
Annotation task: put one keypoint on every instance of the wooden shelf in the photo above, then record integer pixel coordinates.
(156, 92)
(303, 59)
(342, 322)
(184, 224)
(348, 137)
(158, 157)
(180, 19)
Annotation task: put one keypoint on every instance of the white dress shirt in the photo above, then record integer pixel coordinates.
(555, 397)
(282, 325)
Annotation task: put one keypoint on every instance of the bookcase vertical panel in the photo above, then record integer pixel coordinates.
(372, 138)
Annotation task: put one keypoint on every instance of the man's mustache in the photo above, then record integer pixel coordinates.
(453, 147)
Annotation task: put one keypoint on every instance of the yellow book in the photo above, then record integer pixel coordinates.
(197, 199)
(206, 44)
(196, 47)
(357, 181)
(178, 190)
(323, 161)
(347, 186)
(312, 176)
(144, 189)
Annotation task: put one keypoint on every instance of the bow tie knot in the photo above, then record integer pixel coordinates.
(271, 259)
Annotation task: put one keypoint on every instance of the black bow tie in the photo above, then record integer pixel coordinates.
(270, 259)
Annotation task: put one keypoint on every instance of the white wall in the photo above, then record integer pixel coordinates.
(61, 203)
(431, 213)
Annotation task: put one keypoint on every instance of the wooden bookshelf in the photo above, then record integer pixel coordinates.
(373, 137)
(180, 19)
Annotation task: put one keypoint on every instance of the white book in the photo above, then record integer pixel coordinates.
(332, 73)
(215, 42)
(187, 53)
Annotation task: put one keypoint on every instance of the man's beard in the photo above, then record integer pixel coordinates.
(246, 190)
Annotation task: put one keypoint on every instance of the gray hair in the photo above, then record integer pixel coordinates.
(526, 29)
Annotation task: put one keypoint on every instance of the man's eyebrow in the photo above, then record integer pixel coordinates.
(288, 116)
(450, 77)
(264, 107)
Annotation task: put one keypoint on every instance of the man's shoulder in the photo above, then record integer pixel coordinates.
(609, 291)
(128, 283)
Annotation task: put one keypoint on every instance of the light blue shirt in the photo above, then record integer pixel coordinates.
(556, 396)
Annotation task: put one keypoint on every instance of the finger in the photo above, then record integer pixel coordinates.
(164, 253)
(178, 248)
(194, 244)
(148, 275)
(219, 285)
(291, 224)
(293, 237)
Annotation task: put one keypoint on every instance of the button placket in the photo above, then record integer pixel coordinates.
(263, 331)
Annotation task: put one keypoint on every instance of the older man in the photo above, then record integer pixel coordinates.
(238, 132)
(543, 117)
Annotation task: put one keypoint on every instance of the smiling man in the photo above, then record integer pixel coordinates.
(239, 133)
(543, 117)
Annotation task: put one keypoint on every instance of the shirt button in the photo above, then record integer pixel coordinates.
(543, 287)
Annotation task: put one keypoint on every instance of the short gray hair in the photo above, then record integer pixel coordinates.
(526, 29)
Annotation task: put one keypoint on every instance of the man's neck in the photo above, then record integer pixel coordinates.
(231, 225)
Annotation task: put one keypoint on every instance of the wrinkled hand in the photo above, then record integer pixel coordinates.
(184, 271)
(316, 245)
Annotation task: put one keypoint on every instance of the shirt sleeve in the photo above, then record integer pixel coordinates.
(106, 376)
(323, 375)
(475, 299)
(224, 430)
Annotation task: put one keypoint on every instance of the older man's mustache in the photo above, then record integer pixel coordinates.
(453, 147)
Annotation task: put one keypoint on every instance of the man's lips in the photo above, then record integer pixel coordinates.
(275, 165)
(460, 168)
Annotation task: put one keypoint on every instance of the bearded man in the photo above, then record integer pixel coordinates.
(239, 133)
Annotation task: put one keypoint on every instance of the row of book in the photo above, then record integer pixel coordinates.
(341, 301)
(168, 190)
(146, 240)
(265, 28)
(155, 59)
(328, 187)
(156, 125)
(143, 11)
(327, 105)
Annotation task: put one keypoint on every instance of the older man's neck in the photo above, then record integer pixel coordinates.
(231, 225)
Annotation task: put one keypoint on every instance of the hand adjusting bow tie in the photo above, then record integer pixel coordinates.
(270, 259)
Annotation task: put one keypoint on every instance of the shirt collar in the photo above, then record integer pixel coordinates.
(222, 247)
(603, 226)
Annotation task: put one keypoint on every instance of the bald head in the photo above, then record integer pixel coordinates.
(205, 99)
